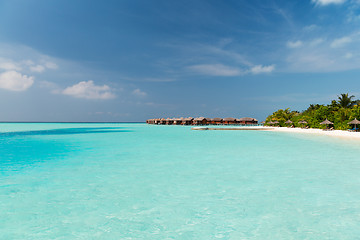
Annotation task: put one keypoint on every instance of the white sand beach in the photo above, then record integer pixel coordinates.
(334, 133)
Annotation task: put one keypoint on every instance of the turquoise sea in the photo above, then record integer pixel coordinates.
(138, 181)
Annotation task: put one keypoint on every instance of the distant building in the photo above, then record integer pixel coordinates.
(229, 121)
(203, 121)
(247, 121)
(200, 121)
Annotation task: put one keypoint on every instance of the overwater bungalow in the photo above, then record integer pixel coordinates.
(199, 121)
(216, 121)
(187, 121)
(229, 120)
(169, 121)
(247, 120)
(177, 121)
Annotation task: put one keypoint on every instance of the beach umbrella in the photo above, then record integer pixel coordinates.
(288, 121)
(326, 122)
(302, 122)
(270, 123)
(355, 122)
(275, 122)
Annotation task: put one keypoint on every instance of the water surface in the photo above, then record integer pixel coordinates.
(136, 181)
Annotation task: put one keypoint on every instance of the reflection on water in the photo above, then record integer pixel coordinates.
(22, 149)
(64, 131)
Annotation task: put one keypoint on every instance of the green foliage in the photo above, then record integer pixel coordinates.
(345, 100)
(340, 112)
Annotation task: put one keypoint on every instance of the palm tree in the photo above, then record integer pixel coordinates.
(345, 101)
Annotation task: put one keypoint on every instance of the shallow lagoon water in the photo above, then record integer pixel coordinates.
(136, 181)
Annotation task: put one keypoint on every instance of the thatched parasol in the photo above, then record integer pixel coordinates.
(355, 122)
(326, 122)
(289, 122)
(303, 122)
(275, 122)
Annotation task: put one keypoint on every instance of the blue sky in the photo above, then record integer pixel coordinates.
(129, 60)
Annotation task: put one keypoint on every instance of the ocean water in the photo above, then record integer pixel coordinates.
(137, 181)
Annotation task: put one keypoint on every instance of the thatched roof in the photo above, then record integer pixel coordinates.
(217, 119)
(187, 119)
(355, 121)
(199, 119)
(275, 122)
(247, 119)
(230, 119)
(326, 122)
(303, 122)
(288, 121)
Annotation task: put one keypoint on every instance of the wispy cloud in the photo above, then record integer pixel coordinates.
(7, 64)
(294, 44)
(316, 42)
(262, 69)
(88, 90)
(51, 65)
(310, 28)
(137, 92)
(348, 55)
(216, 70)
(327, 2)
(15, 81)
(26, 65)
(37, 68)
(340, 42)
(325, 54)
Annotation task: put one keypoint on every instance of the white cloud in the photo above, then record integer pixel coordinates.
(295, 44)
(216, 70)
(37, 68)
(15, 81)
(139, 93)
(89, 90)
(7, 64)
(340, 42)
(310, 28)
(327, 2)
(348, 55)
(51, 65)
(28, 62)
(262, 69)
(26, 65)
(41, 68)
(316, 42)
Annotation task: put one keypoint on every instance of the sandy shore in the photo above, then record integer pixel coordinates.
(334, 133)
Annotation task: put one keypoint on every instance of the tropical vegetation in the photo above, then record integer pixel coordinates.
(340, 111)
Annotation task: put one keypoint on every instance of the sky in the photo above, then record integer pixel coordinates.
(131, 60)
